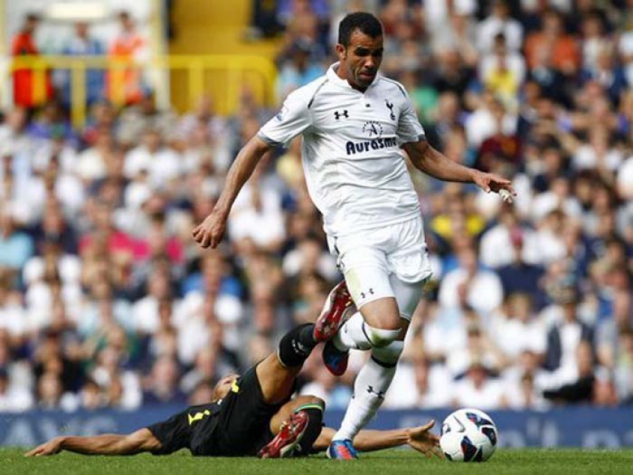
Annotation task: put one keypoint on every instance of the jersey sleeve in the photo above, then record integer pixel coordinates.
(292, 120)
(409, 127)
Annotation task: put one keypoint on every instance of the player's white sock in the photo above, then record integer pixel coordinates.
(370, 387)
(351, 336)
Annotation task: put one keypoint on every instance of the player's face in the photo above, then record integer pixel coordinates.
(361, 59)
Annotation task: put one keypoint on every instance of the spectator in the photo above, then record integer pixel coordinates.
(15, 140)
(146, 311)
(595, 40)
(91, 397)
(581, 388)
(500, 21)
(50, 394)
(521, 276)
(458, 32)
(125, 84)
(161, 163)
(516, 329)
(471, 281)
(257, 217)
(92, 162)
(82, 44)
(162, 386)
(476, 346)
(453, 75)
(624, 368)
(51, 122)
(122, 387)
(101, 119)
(565, 336)
(524, 383)
(144, 116)
(205, 130)
(202, 394)
(478, 389)
(299, 70)
(12, 398)
(509, 241)
(16, 247)
(503, 71)
(433, 386)
(13, 316)
(552, 37)
(264, 20)
(24, 44)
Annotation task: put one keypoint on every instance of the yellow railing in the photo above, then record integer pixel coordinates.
(260, 72)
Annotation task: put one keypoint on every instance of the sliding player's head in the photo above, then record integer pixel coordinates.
(223, 386)
(360, 48)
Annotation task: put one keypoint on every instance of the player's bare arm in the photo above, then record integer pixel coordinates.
(209, 233)
(419, 438)
(428, 160)
(108, 444)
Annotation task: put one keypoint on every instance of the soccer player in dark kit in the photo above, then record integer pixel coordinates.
(253, 414)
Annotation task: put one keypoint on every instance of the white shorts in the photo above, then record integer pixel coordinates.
(391, 261)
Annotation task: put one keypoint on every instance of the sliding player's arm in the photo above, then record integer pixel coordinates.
(108, 444)
(419, 438)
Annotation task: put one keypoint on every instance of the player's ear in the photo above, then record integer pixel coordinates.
(340, 51)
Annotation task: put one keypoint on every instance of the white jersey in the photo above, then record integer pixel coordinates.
(354, 168)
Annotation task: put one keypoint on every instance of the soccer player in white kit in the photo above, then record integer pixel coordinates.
(355, 123)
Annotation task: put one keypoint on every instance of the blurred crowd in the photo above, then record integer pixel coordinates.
(120, 84)
(106, 301)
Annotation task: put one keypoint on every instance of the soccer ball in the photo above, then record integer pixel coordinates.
(468, 435)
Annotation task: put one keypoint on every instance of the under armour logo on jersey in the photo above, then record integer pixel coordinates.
(338, 114)
(379, 394)
(390, 107)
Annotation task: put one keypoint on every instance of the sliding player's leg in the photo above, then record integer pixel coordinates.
(295, 427)
(259, 394)
(277, 373)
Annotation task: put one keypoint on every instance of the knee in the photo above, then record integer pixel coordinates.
(310, 400)
(388, 355)
(316, 401)
(381, 337)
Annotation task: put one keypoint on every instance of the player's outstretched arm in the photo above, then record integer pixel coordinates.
(211, 230)
(428, 160)
(419, 438)
(108, 444)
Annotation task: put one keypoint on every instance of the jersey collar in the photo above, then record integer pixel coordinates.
(332, 76)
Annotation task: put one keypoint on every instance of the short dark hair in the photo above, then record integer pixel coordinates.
(365, 22)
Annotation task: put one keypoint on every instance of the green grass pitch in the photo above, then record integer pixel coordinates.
(505, 461)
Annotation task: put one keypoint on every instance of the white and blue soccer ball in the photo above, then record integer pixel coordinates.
(468, 435)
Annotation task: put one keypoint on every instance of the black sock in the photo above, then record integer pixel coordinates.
(296, 345)
(315, 424)
(306, 335)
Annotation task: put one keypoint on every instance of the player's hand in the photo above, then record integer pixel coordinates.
(211, 230)
(422, 440)
(52, 447)
(491, 182)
